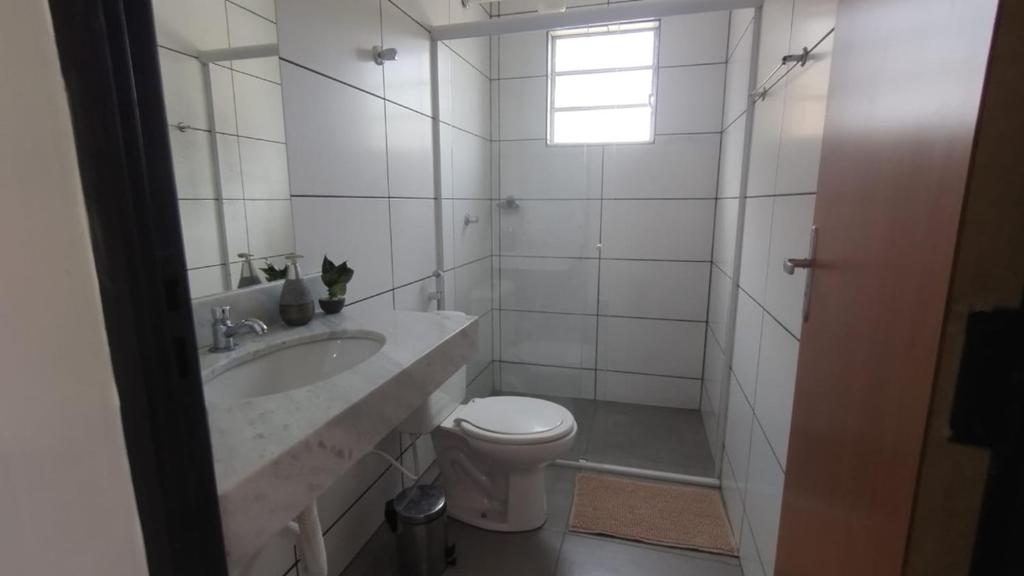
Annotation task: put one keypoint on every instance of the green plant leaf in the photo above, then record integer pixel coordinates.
(272, 272)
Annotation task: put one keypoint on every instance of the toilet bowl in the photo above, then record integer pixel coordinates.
(492, 453)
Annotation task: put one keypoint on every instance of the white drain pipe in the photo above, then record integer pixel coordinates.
(309, 538)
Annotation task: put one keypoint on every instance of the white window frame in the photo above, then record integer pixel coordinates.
(601, 30)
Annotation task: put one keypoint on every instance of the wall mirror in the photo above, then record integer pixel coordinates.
(222, 89)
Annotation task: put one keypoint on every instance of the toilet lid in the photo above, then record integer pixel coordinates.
(514, 420)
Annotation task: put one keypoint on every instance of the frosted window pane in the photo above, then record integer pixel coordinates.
(603, 89)
(604, 51)
(611, 125)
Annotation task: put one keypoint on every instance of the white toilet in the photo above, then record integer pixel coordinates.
(492, 453)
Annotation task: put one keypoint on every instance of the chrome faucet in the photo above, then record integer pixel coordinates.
(437, 294)
(224, 331)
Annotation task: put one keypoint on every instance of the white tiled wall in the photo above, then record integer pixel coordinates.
(773, 213)
(604, 266)
(361, 154)
(252, 213)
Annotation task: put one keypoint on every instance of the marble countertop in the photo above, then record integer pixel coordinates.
(273, 455)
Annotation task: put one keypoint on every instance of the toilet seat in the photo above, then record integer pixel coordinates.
(513, 420)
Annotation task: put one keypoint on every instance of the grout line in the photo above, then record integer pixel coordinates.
(600, 259)
(527, 256)
(253, 12)
(387, 163)
(600, 315)
(596, 369)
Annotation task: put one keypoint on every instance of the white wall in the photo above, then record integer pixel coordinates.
(774, 213)
(361, 156)
(65, 487)
(626, 322)
(257, 214)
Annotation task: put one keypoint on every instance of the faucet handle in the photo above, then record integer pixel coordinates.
(221, 313)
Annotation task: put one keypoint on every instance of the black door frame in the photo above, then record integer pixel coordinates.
(108, 56)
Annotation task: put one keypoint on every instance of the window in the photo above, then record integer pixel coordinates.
(601, 83)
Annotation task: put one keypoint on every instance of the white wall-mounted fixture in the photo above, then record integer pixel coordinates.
(382, 55)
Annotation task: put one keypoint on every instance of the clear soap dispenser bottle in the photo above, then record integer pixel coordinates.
(296, 307)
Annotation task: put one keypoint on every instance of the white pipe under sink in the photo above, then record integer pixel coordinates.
(309, 539)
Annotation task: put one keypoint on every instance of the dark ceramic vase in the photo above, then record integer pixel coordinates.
(330, 306)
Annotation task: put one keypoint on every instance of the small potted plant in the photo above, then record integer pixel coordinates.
(336, 279)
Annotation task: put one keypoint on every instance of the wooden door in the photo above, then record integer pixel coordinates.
(906, 83)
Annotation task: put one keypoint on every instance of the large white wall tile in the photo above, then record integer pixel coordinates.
(549, 284)
(737, 433)
(448, 233)
(764, 497)
(352, 229)
(445, 78)
(726, 214)
(532, 169)
(345, 538)
(207, 281)
(407, 79)
(649, 390)
(265, 8)
(184, 93)
(566, 228)
(523, 105)
(471, 166)
(410, 153)
(658, 229)
(792, 217)
(750, 559)
(689, 99)
(258, 108)
(334, 38)
(191, 25)
(470, 98)
(472, 240)
(757, 225)
(476, 51)
(264, 169)
(415, 296)
(737, 80)
(522, 54)
(473, 288)
(426, 12)
(693, 39)
(192, 157)
(739, 24)
(776, 378)
(552, 339)
(546, 380)
(664, 347)
(730, 168)
(747, 343)
(413, 233)
(248, 29)
(670, 290)
(336, 137)
(671, 167)
(269, 223)
(732, 497)
(484, 347)
(201, 225)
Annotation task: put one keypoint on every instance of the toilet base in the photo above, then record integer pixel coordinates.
(524, 506)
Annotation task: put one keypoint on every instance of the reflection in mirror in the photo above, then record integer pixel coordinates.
(222, 90)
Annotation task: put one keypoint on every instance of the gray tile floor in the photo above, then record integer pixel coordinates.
(548, 551)
(649, 437)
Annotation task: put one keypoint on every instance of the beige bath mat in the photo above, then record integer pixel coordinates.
(665, 514)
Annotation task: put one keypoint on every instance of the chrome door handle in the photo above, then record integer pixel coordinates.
(467, 220)
(789, 266)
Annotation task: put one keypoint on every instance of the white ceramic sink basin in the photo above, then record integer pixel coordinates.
(291, 368)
